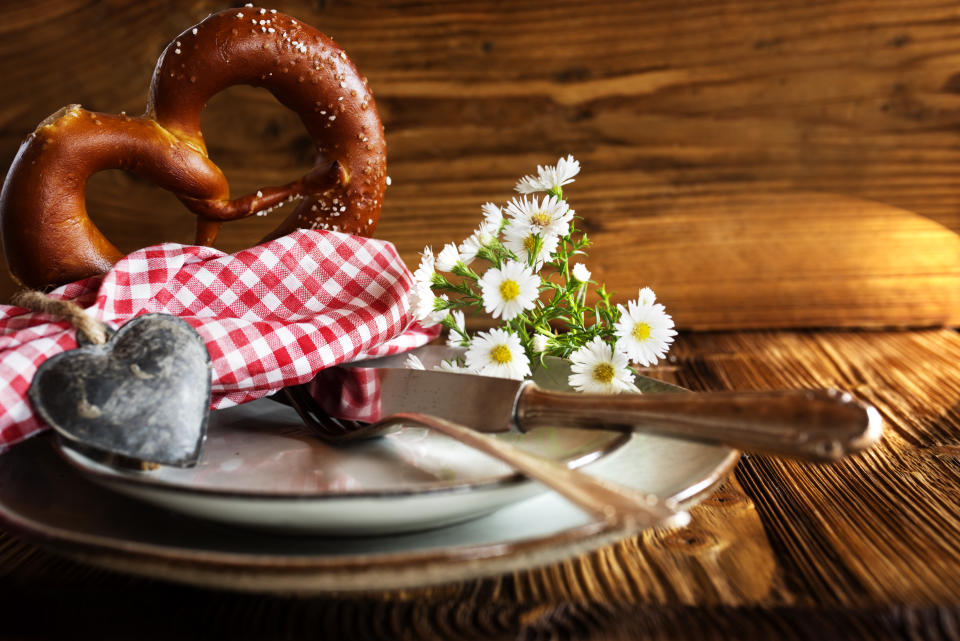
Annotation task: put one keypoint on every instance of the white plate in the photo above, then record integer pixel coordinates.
(261, 467)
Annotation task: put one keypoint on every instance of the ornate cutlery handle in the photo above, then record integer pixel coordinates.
(820, 426)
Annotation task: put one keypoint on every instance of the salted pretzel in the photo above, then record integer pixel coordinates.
(48, 236)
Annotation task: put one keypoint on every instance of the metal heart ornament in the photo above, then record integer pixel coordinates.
(143, 394)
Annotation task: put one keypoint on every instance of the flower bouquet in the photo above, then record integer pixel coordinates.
(533, 281)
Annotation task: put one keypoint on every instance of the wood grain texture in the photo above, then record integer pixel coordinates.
(862, 549)
(680, 111)
(788, 260)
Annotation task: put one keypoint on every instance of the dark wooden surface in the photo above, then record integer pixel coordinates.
(866, 548)
(705, 129)
(682, 113)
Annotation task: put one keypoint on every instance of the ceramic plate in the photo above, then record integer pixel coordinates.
(261, 467)
(49, 502)
(55, 503)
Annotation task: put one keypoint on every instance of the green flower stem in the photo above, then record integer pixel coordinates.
(491, 255)
(452, 326)
(461, 270)
(532, 255)
(462, 289)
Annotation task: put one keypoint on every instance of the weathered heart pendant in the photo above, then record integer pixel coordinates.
(144, 394)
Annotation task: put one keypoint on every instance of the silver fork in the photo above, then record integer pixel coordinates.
(619, 506)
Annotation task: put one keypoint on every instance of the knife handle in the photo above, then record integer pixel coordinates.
(819, 426)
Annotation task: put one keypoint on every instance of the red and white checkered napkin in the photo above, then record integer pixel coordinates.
(273, 315)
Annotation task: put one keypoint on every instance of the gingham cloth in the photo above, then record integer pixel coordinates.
(273, 315)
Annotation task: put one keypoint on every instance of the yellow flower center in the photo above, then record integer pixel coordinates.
(603, 373)
(641, 331)
(530, 243)
(500, 354)
(541, 219)
(509, 289)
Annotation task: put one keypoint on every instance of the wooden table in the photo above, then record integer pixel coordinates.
(867, 548)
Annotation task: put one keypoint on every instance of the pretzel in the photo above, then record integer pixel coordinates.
(48, 236)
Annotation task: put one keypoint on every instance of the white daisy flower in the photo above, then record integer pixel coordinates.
(422, 305)
(453, 366)
(507, 292)
(581, 273)
(521, 240)
(540, 343)
(646, 297)
(529, 185)
(413, 362)
(426, 270)
(498, 353)
(421, 301)
(492, 215)
(644, 331)
(454, 338)
(598, 369)
(550, 215)
(482, 237)
(447, 258)
(550, 178)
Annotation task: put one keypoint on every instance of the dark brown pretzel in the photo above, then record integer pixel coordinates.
(47, 235)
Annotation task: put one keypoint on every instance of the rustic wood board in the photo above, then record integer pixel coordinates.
(789, 260)
(862, 549)
(680, 112)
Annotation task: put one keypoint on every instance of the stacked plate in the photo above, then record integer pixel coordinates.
(270, 507)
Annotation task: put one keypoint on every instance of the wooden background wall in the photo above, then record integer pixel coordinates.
(703, 128)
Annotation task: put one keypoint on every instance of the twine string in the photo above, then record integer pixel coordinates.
(36, 301)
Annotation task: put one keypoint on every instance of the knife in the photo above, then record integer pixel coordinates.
(818, 426)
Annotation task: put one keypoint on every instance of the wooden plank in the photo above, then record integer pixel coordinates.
(678, 110)
(877, 528)
(861, 549)
(798, 260)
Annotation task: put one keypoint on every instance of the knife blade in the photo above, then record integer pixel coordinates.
(814, 425)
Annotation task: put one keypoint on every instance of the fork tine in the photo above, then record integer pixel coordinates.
(328, 428)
